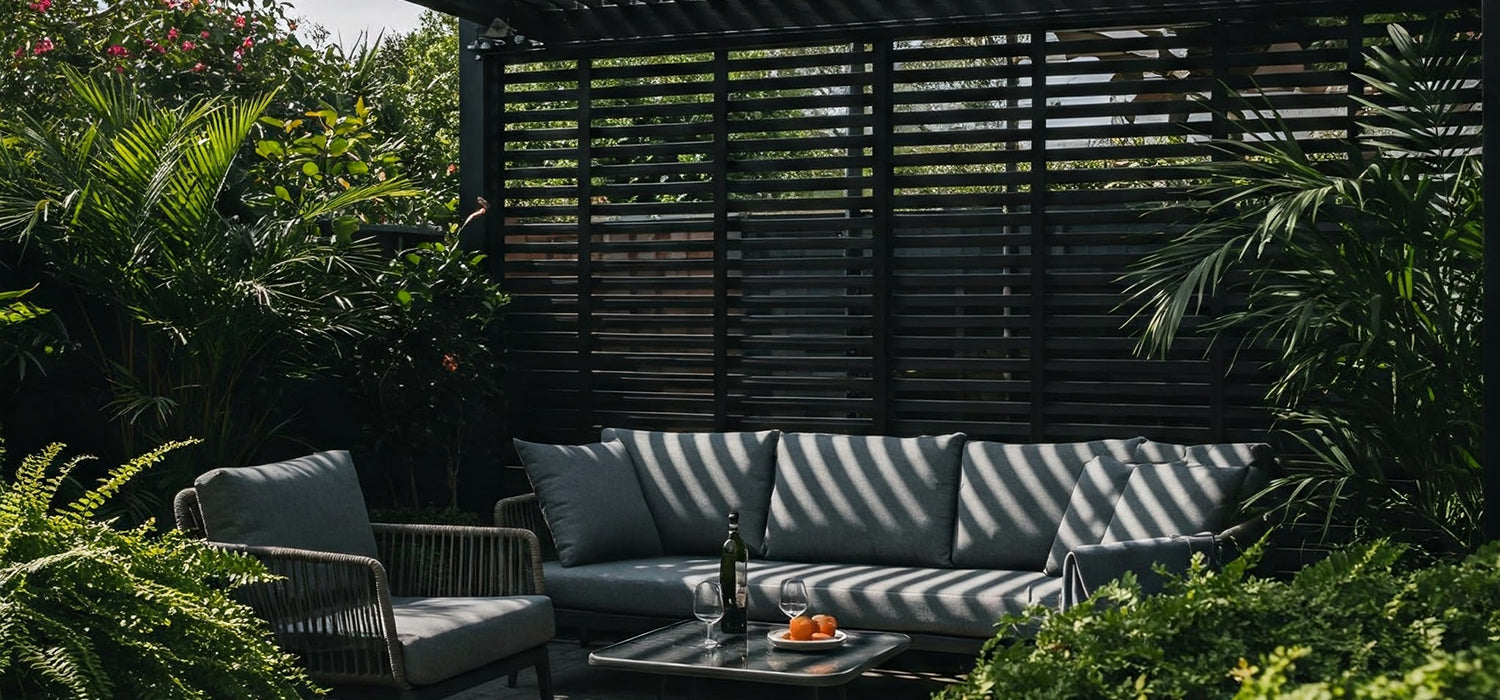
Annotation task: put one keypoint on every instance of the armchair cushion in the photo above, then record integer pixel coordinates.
(1011, 498)
(692, 480)
(443, 637)
(1090, 508)
(864, 499)
(592, 501)
(1163, 500)
(312, 502)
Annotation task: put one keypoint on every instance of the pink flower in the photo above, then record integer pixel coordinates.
(159, 48)
(119, 69)
(199, 67)
(188, 46)
(203, 34)
(450, 362)
(239, 22)
(248, 42)
(41, 5)
(20, 51)
(239, 67)
(172, 34)
(43, 46)
(117, 51)
(239, 53)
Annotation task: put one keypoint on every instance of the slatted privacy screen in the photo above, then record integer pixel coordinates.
(901, 237)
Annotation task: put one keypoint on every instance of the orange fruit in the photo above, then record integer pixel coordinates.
(827, 624)
(802, 628)
(820, 637)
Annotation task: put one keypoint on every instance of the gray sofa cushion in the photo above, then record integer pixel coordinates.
(1163, 500)
(312, 502)
(1011, 499)
(692, 480)
(443, 637)
(592, 502)
(899, 599)
(1258, 456)
(864, 499)
(1090, 509)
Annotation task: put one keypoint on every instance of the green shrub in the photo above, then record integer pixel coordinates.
(89, 611)
(1355, 620)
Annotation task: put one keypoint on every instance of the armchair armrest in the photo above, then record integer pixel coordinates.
(525, 512)
(332, 610)
(1087, 568)
(451, 560)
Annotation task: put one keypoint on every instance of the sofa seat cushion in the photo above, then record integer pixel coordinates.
(864, 499)
(443, 637)
(1011, 499)
(591, 499)
(692, 480)
(312, 502)
(919, 600)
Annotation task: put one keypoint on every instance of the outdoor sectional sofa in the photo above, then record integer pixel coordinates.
(934, 536)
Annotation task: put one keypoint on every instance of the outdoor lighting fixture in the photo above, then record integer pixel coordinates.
(499, 36)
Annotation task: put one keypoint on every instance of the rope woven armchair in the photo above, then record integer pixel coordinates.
(424, 610)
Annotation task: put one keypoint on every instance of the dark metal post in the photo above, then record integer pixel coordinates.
(473, 88)
(883, 247)
(1038, 227)
(721, 240)
(1491, 445)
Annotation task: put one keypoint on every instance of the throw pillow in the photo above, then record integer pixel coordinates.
(1166, 500)
(591, 500)
(1089, 509)
(693, 480)
(311, 502)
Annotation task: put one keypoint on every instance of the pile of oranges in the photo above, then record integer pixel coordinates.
(815, 628)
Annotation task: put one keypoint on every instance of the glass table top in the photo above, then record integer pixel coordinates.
(678, 650)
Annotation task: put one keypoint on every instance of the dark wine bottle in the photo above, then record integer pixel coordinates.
(734, 578)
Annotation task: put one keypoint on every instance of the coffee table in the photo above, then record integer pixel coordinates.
(677, 650)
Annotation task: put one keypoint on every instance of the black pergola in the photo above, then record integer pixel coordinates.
(499, 33)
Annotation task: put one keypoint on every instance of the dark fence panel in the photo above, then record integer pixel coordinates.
(902, 237)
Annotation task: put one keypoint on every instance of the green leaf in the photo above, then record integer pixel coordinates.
(310, 169)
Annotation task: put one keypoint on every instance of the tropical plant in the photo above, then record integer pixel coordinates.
(22, 342)
(1363, 274)
(198, 321)
(1362, 618)
(90, 611)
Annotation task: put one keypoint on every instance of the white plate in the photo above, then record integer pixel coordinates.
(805, 645)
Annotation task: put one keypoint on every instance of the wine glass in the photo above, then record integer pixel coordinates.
(708, 606)
(793, 597)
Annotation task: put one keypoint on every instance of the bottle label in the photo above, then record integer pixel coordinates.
(741, 587)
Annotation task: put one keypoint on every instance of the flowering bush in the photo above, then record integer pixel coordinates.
(173, 50)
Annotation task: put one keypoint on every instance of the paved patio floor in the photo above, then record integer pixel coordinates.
(909, 676)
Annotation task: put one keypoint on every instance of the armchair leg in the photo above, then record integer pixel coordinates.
(544, 675)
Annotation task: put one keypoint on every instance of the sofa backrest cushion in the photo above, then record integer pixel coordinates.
(592, 501)
(864, 499)
(1011, 499)
(1089, 510)
(311, 502)
(1164, 500)
(692, 480)
(1258, 456)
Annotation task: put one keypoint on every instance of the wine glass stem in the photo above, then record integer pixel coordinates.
(708, 632)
